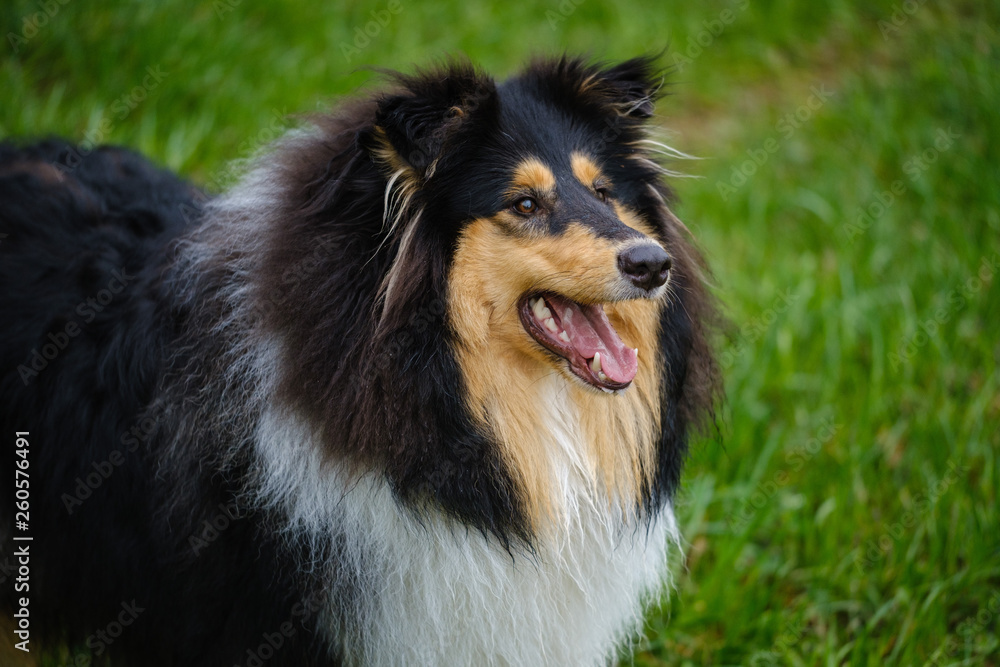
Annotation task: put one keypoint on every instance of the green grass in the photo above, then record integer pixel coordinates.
(826, 527)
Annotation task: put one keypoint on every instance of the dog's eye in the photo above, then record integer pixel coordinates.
(526, 206)
(602, 193)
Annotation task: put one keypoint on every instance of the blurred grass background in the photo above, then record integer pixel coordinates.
(849, 204)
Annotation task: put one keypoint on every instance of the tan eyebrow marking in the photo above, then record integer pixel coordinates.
(584, 168)
(532, 174)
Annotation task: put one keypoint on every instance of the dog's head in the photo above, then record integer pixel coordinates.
(535, 212)
(498, 282)
(543, 188)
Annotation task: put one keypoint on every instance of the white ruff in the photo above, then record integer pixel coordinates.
(432, 592)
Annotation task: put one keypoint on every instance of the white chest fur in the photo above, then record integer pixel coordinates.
(443, 595)
(429, 591)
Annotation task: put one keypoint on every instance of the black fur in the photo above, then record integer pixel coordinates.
(72, 222)
(150, 375)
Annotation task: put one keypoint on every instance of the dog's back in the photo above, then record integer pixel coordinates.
(82, 246)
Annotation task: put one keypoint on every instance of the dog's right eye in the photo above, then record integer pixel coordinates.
(526, 206)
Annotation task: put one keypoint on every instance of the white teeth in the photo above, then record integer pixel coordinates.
(568, 315)
(551, 325)
(540, 310)
(595, 364)
(563, 336)
(636, 350)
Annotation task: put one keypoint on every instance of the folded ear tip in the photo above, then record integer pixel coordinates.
(426, 109)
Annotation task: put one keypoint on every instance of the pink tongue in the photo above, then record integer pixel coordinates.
(590, 332)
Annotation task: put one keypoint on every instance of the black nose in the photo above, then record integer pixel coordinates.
(647, 266)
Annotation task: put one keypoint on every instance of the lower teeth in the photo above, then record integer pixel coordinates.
(595, 363)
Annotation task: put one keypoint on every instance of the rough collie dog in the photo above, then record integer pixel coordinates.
(417, 391)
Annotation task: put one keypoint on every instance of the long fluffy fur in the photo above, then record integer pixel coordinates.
(293, 362)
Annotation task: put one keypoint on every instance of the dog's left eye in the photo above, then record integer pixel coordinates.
(602, 193)
(526, 206)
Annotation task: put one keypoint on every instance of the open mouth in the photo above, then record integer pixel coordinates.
(583, 336)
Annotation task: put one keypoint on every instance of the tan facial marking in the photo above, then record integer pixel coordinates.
(634, 220)
(508, 376)
(584, 168)
(532, 174)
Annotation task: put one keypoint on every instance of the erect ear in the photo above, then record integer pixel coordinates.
(634, 85)
(431, 110)
(628, 89)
